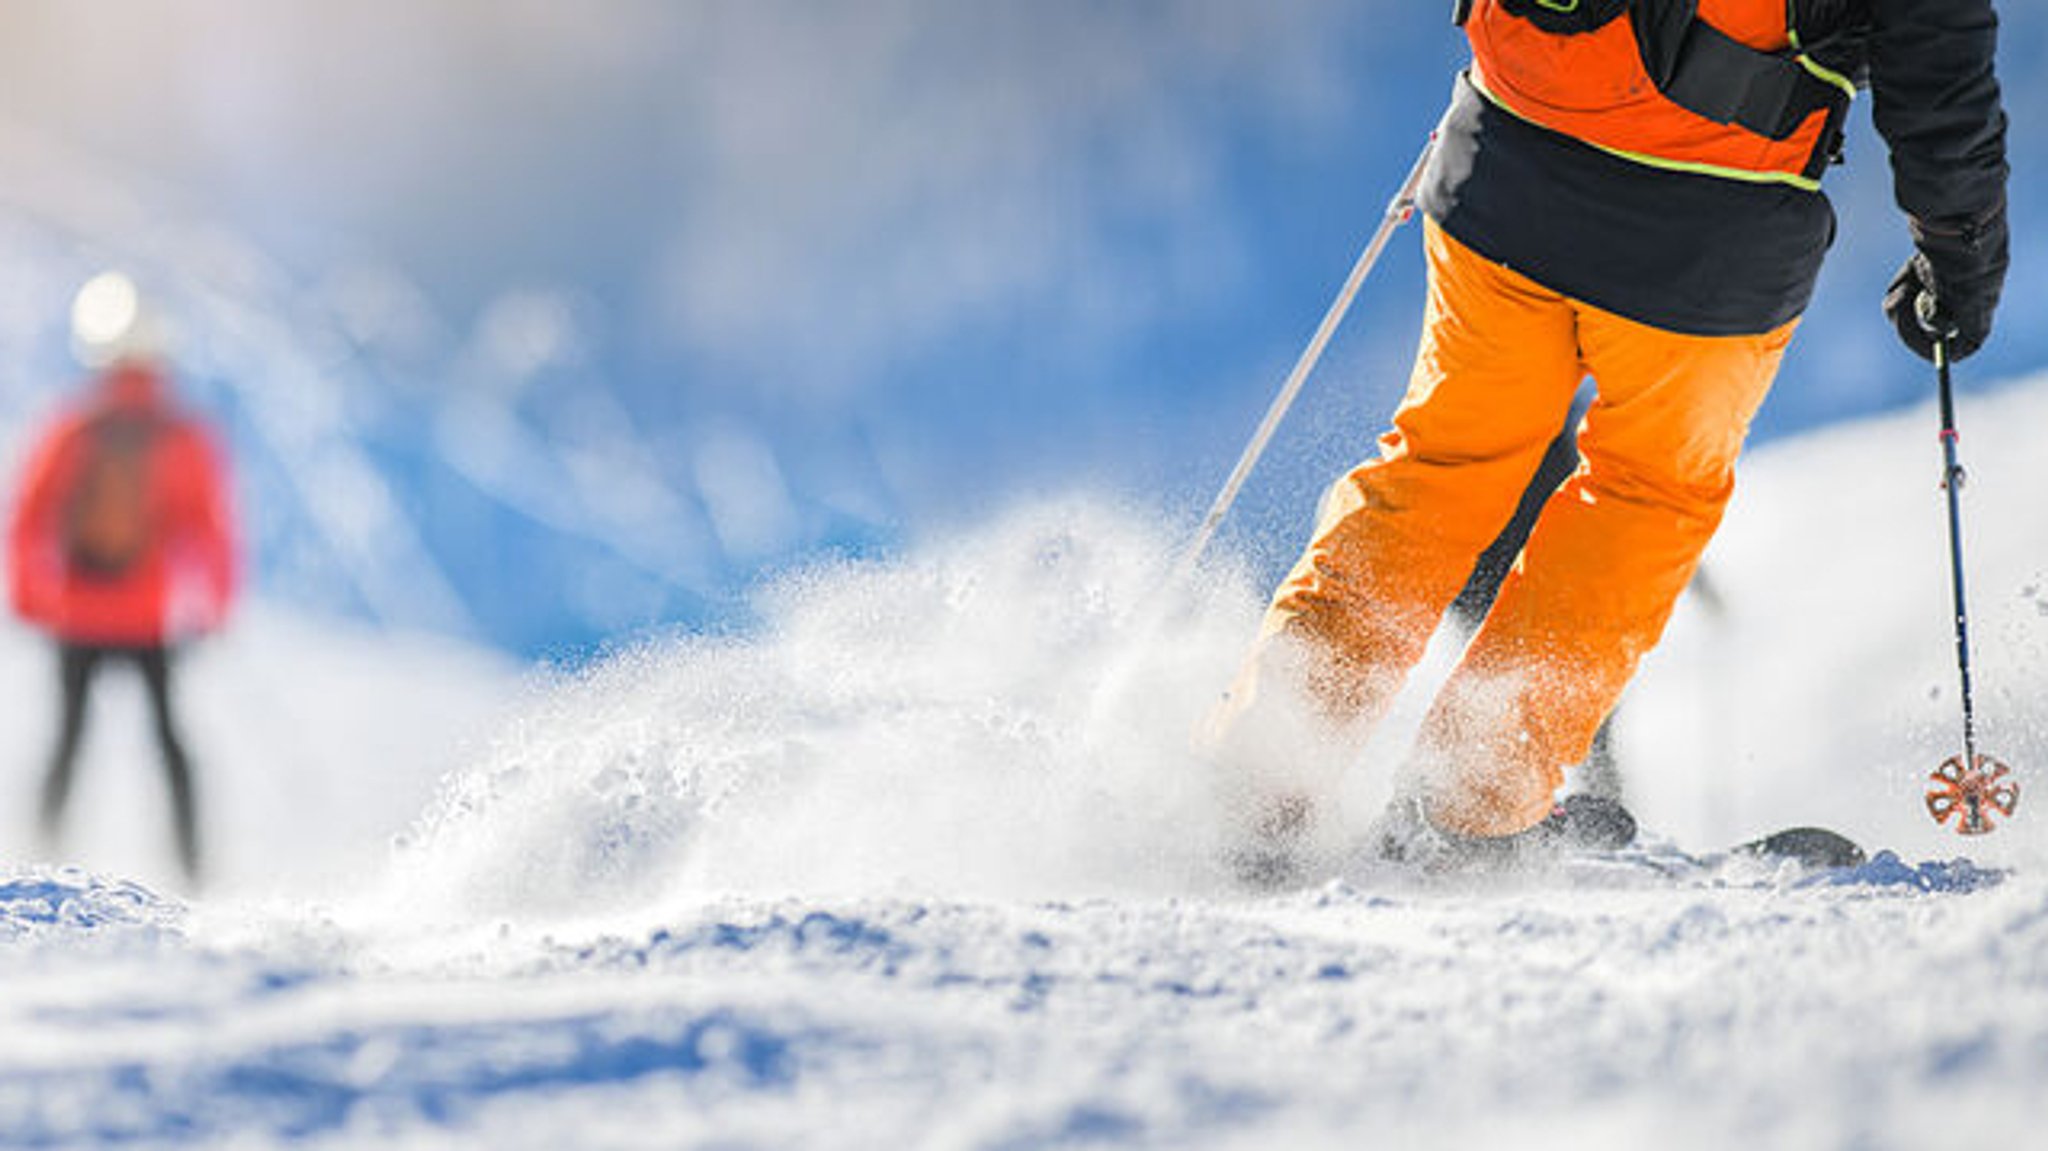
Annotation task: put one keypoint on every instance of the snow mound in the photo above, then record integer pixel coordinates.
(1886, 869)
(42, 904)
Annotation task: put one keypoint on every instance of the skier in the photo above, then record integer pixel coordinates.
(1627, 190)
(122, 548)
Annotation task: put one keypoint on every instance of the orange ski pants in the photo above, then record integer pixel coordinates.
(1396, 539)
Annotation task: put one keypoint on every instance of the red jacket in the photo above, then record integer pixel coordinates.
(183, 581)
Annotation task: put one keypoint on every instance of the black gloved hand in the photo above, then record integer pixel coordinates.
(1960, 264)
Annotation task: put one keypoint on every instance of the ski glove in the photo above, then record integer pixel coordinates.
(1959, 263)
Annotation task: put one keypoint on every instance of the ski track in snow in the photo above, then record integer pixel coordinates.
(926, 864)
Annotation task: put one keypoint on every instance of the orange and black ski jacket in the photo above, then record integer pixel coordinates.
(1662, 158)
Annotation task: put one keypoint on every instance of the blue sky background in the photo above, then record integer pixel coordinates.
(549, 323)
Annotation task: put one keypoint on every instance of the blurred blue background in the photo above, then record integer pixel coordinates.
(545, 324)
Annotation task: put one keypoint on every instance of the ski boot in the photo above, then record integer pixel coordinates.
(1577, 824)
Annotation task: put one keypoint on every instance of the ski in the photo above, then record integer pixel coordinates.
(1586, 849)
(1814, 847)
(1807, 849)
(1587, 826)
(1585, 835)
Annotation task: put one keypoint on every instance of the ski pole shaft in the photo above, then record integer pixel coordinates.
(1952, 480)
(1399, 210)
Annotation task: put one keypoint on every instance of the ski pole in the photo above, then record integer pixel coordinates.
(1399, 210)
(1952, 480)
(1974, 785)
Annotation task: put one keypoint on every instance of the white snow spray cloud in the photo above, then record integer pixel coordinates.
(982, 717)
(991, 715)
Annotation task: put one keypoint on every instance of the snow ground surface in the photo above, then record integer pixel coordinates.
(926, 864)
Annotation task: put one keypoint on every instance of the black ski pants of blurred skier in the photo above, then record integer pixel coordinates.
(76, 666)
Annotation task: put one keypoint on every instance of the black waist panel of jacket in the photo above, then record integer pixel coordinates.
(1695, 254)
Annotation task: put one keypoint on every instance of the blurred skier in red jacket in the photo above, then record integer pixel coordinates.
(122, 547)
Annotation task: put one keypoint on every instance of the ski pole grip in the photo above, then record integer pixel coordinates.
(1927, 310)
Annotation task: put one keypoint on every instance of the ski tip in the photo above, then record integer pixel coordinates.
(1809, 847)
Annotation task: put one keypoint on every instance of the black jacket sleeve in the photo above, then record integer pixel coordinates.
(1935, 100)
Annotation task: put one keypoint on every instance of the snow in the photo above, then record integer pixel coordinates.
(925, 863)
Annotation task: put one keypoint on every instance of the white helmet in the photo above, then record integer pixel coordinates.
(110, 321)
